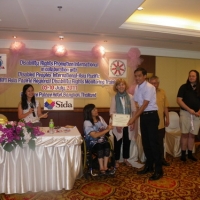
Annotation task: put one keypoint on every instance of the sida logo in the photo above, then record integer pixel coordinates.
(49, 104)
(58, 104)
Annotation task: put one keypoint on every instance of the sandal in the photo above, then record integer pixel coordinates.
(107, 171)
(117, 164)
(110, 171)
(127, 163)
(102, 172)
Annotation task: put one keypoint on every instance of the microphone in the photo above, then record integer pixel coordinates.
(31, 105)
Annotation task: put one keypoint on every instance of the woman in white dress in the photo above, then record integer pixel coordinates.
(29, 109)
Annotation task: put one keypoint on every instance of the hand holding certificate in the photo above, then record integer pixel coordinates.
(120, 120)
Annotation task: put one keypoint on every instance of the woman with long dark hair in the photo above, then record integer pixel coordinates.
(29, 108)
(95, 129)
(188, 99)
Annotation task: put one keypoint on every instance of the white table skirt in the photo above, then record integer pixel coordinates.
(54, 165)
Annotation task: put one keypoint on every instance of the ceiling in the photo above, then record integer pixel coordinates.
(104, 21)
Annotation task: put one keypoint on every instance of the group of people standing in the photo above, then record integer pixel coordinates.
(150, 104)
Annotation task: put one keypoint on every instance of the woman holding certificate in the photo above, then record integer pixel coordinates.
(122, 103)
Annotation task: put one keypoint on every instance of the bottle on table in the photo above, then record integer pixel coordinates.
(51, 126)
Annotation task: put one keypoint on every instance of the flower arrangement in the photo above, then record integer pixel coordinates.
(18, 133)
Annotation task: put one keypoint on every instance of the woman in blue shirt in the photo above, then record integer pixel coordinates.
(95, 129)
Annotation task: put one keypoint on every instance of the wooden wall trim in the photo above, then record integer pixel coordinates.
(75, 110)
(176, 109)
(65, 117)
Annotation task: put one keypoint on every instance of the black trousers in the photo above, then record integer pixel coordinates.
(150, 141)
(126, 145)
(102, 149)
(161, 136)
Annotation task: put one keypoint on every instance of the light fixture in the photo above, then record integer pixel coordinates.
(59, 50)
(59, 8)
(140, 8)
(61, 37)
(14, 36)
(17, 47)
(98, 51)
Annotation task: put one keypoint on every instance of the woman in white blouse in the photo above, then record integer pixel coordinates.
(122, 103)
(29, 109)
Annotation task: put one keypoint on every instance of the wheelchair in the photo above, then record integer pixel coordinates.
(90, 161)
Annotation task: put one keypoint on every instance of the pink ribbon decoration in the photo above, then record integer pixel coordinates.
(17, 47)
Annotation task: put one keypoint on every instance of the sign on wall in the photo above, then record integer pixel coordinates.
(58, 104)
(117, 68)
(3, 67)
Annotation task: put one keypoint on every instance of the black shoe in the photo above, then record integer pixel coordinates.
(146, 170)
(165, 163)
(183, 158)
(110, 171)
(156, 176)
(191, 157)
(183, 155)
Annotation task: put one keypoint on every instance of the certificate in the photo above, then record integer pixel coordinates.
(120, 120)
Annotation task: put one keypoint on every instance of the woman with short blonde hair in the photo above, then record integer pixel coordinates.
(122, 103)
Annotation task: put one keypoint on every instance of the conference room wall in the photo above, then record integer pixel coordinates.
(173, 72)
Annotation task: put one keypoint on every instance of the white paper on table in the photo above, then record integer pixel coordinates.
(120, 120)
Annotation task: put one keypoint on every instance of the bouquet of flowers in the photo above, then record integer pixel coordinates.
(18, 133)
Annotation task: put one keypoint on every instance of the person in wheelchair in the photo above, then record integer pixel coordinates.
(95, 129)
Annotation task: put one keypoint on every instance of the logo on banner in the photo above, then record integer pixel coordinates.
(117, 68)
(3, 69)
(58, 104)
(49, 104)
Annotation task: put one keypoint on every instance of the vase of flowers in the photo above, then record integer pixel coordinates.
(18, 133)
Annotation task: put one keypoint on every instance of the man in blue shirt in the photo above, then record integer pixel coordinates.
(147, 110)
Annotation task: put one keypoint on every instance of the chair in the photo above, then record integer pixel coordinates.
(173, 135)
(90, 160)
(197, 143)
(3, 119)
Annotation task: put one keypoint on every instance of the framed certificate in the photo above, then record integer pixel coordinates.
(120, 120)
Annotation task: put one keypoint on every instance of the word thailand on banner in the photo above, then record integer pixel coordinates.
(65, 94)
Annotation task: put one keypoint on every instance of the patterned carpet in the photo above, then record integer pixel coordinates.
(181, 181)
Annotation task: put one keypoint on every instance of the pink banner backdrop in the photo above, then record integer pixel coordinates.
(97, 54)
